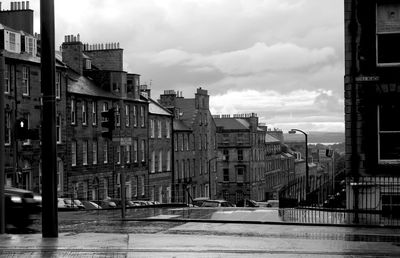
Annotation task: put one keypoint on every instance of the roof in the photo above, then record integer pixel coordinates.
(271, 139)
(232, 123)
(188, 111)
(178, 125)
(29, 58)
(155, 108)
(81, 85)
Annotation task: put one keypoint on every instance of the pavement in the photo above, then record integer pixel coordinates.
(210, 240)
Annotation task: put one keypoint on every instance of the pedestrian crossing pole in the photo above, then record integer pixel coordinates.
(49, 151)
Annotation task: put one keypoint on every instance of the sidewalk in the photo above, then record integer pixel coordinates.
(211, 240)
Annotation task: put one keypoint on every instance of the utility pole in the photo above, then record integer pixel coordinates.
(49, 151)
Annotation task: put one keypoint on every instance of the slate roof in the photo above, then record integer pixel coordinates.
(270, 139)
(188, 111)
(232, 123)
(178, 125)
(30, 58)
(82, 85)
(156, 108)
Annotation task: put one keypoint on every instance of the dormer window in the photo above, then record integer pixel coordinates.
(12, 41)
(88, 64)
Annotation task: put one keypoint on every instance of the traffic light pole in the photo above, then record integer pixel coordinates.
(2, 127)
(49, 151)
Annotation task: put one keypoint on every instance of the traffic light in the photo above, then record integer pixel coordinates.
(108, 123)
(21, 129)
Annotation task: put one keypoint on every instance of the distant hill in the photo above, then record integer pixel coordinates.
(316, 137)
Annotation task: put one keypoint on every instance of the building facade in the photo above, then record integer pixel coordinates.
(372, 103)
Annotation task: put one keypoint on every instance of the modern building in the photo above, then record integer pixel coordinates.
(194, 145)
(372, 104)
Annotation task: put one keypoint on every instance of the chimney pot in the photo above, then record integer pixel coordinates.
(23, 5)
(27, 4)
(102, 46)
(79, 37)
(118, 45)
(65, 38)
(11, 5)
(19, 5)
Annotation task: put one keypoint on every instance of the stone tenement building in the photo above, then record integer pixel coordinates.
(193, 144)
(96, 83)
(251, 161)
(372, 103)
(20, 76)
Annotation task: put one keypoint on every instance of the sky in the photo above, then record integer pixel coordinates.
(280, 59)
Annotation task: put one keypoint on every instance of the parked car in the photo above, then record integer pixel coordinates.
(246, 203)
(79, 204)
(20, 204)
(217, 203)
(108, 203)
(90, 205)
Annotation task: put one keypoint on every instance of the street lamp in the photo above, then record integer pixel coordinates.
(293, 131)
(209, 176)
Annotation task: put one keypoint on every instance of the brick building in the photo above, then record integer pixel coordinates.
(20, 70)
(372, 102)
(193, 143)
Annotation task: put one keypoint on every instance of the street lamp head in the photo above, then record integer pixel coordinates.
(292, 131)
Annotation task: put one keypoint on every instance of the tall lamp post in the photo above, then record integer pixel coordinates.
(209, 176)
(293, 131)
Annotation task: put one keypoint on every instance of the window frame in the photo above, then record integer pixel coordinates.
(379, 133)
(25, 81)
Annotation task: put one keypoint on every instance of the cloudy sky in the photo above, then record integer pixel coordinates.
(281, 59)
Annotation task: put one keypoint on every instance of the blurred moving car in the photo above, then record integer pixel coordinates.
(217, 203)
(197, 202)
(108, 203)
(20, 204)
(246, 203)
(79, 204)
(273, 203)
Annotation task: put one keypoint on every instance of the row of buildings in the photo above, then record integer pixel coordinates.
(170, 150)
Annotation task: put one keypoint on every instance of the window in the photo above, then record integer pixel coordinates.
(167, 129)
(200, 141)
(127, 154)
(7, 133)
(105, 152)
(175, 144)
(84, 113)
(118, 154)
(25, 81)
(142, 185)
(60, 168)
(160, 157)
(177, 169)
(142, 116)
(389, 133)
(183, 169)
(85, 153)
(153, 162)
(94, 113)
(27, 116)
(168, 160)
(30, 45)
(182, 142)
(151, 128)
(94, 152)
(7, 77)
(117, 116)
(134, 116)
(58, 128)
(73, 153)
(105, 108)
(88, 64)
(73, 112)
(136, 184)
(387, 33)
(135, 151)
(58, 85)
(225, 155)
(142, 149)
(187, 142)
(226, 174)
(127, 116)
(105, 188)
(159, 128)
(240, 174)
(200, 166)
(193, 168)
(240, 155)
(206, 190)
(12, 41)
(187, 172)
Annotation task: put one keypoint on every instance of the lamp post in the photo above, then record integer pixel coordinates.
(209, 176)
(293, 131)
